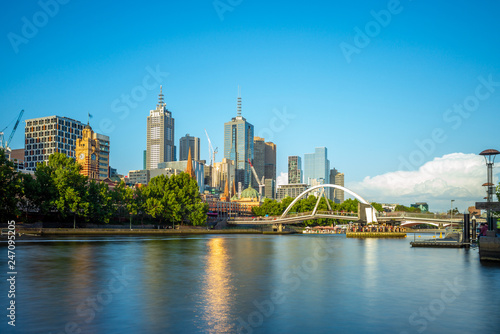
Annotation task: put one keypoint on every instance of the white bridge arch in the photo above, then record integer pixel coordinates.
(322, 187)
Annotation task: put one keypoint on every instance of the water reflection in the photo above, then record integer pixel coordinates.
(218, 289)
(371, 265)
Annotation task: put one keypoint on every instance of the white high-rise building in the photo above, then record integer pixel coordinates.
(160, 145)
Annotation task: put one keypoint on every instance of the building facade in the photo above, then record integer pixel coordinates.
(317, 167)
(290, 190)
(92, 152)
(264, 162)
(294, 169)
(179, 167)
(47, 135)
(270, 161)
(160, 135)
(138, 177)
(103, 155)
(269, 188)
(259, 160)
(238, 146)
(222, 171)
(187, 142)
(423, 206)
(337, 178)
(17, 157)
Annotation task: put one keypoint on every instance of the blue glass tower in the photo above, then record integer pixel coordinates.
(317, 167)
(238, 146)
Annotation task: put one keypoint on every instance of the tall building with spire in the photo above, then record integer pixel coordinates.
(238, 145)
(160, 135)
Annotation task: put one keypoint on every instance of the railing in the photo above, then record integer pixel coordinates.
(333, 214)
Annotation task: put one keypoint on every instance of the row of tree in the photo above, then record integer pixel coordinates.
(58, 188)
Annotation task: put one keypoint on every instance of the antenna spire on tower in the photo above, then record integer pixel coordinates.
(160, 97)
(239, 101)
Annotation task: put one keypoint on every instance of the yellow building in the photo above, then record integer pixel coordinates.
(87, 153)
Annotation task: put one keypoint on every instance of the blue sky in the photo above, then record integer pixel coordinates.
(371, 109)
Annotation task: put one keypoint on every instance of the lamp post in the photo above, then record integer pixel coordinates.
(451, 213)
(489, 157)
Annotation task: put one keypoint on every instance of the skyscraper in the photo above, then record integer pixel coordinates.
(187, 142)
(264, 162)
(160, 134)
(294, 170)
(317, 167)
(338, 179)
(238, 145)
(270, 161)
(259, 159)
(47, 135)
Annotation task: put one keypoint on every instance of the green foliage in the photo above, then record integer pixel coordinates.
(41, 191)
(157, 198)
(175, 199)
(100, 202)
(349, 205)
(407, 209)
(275, 208)
(70, 185)
(59, 187)
(377, 206)
(11, 189)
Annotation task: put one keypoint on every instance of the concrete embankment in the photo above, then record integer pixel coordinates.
(376, 235)
(489, 248)
(85, 231)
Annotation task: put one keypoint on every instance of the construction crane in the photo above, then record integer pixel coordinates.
(211, 151)
(5, 144)
(260, 182)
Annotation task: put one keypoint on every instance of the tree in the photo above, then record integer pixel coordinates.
(349, 205)
(100, 202)
(407, 209)
(133, 202)
(10, 189)
(184, 197)
(118, 199)
(70, 185)
(377, 206)
(41, 191)
(156, 198)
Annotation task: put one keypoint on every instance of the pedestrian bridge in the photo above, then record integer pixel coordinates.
(366, 213)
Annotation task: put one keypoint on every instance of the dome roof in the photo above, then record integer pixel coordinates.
(249, 193)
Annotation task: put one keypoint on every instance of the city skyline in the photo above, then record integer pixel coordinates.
(407, 96)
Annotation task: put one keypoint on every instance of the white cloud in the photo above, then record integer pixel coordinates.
(282, 179)
(455, 176)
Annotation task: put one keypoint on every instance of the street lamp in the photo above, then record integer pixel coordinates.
(489, 157)
(451, 213)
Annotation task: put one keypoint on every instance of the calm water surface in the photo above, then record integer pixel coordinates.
(249, 284)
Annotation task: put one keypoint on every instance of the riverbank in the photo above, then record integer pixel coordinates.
(375, 235)
(103, 231)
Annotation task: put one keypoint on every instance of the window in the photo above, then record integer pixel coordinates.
(154, 132)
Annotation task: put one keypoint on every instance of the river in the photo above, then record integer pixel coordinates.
(248, 284)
